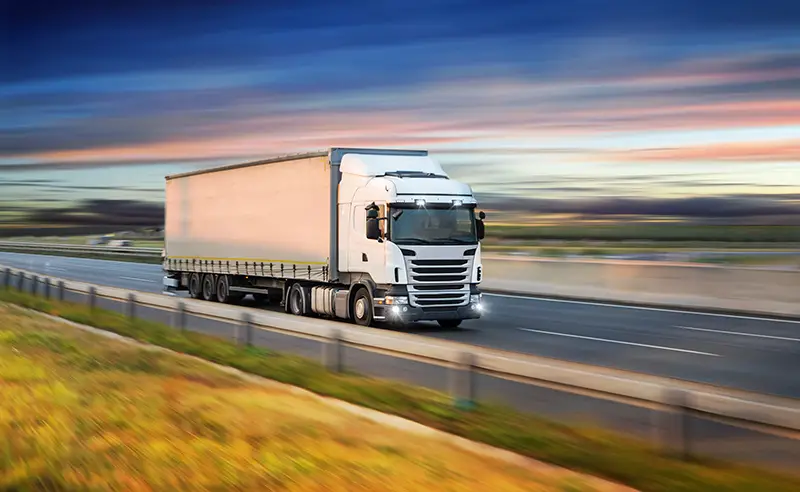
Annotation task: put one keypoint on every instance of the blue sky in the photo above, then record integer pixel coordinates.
(572, 101)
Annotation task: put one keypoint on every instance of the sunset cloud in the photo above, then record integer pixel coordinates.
(784, 151)
(558, 98)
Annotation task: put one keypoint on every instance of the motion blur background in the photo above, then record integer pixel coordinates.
(586, 119)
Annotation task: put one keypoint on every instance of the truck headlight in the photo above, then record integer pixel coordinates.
(393, 300)
(475, 302)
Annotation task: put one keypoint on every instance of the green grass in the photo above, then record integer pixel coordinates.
(82, 240)
(84, 412)
(156, 260)
(597, 452)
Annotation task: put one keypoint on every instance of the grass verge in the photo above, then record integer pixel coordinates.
(85, 412)
(92, 256)
(589, 450)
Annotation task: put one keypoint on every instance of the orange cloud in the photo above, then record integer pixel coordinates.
(779, 151)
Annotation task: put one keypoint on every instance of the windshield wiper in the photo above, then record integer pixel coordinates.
(455, 240)
(412, 240)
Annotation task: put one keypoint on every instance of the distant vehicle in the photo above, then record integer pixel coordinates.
(97, 241)
(360, 234)
(120, 243)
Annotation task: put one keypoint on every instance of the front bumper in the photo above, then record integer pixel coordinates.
(410, 314)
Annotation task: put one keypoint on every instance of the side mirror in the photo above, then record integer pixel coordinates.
(373, 230)
(480, 227)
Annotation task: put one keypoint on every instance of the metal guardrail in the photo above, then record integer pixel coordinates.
(80, 248)
(673, 400)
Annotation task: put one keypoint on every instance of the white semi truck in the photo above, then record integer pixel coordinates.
(359, 234)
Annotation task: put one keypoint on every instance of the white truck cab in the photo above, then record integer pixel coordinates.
(414, 231)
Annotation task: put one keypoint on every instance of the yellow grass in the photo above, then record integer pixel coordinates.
(80, 411)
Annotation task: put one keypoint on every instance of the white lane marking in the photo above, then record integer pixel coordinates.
(740, 333)
(136, 279)
(54, 269)
(673, 349)
(644, 308)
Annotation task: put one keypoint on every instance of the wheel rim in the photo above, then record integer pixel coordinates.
(207, 287)
(361, 308)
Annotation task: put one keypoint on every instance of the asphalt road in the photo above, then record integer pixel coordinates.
(743, 352)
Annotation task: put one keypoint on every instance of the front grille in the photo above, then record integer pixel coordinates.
(439, 262)
(439, 287)
(438, 283)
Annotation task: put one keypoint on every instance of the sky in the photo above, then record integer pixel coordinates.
(578, 109)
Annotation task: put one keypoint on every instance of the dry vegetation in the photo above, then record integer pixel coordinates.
(589, 450)
(83, 412)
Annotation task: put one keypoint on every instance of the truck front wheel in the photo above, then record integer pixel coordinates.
(362, 308)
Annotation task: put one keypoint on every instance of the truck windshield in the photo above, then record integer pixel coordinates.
(432, 225)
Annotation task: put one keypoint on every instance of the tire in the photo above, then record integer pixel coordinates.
(195, 286)
(362, 308)
(209, 288)
(296, 303)
(449, 324)
(223, 293)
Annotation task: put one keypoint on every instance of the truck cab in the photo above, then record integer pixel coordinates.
(414, 233)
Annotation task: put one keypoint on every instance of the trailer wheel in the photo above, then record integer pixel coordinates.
(297, 301)
(209, 288)
(223, 289)
(362, 308)
(195, 286)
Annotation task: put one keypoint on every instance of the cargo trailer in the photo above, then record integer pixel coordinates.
(365, 235)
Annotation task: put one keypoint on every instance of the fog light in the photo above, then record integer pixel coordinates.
(420, 202)
(478, 307)
(457, 203)
(475, 299)
(395, 310)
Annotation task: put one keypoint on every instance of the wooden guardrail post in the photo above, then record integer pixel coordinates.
(7, 278)
(46, 287)
(130, 306)
(332, 352)
(672, 430)
(20, 281)
(34, 284)
(61, 289)
(92, 298)
(462, 381)
(244, 330)
(178, 319)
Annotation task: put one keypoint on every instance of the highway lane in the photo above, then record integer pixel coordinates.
(745, 352)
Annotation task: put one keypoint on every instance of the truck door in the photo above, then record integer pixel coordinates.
(367, 255)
